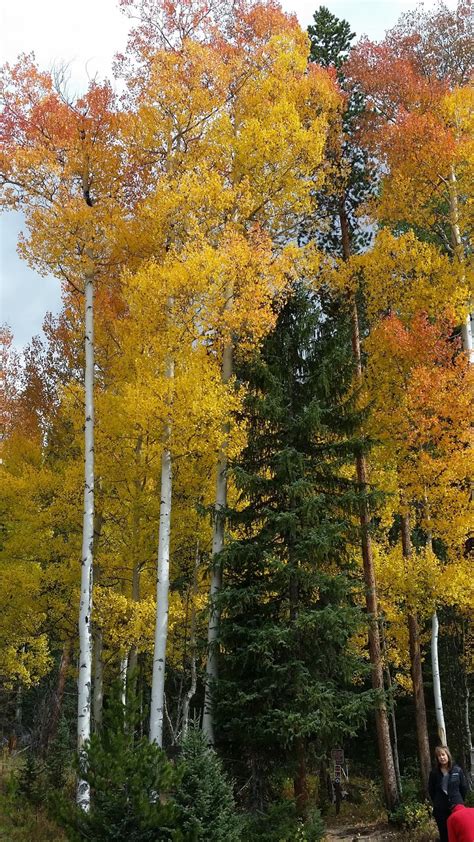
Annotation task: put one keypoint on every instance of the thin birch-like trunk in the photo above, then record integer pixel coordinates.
(123, 679)
(393, 718)
(97, 637)
(437, 681)
(468, 346)
(57, 700)
(162, 589)
(98, 693)
(216, 575)
(85, 608)
(467, 729)
(416, 671)
(438, 698)
(459, 252)
(381, 714)
(133, 654)
(18, 707)
(192, 649)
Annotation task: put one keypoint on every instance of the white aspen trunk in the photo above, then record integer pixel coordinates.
(123, 679)
(459, 252)
(437, 681)
(98, 694)
(467, 727)
(192, 648)
(216, 576)
(438, 698)
(162, 591)
(467, 342)
(133, 654)
(85, 608)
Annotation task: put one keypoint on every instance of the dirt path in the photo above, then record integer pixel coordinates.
(354, 834)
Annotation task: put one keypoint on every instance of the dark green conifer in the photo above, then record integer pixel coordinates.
(204, 795)
(289, 674)
(132, 786)
(330, 38)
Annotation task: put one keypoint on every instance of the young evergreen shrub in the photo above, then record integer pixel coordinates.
(412, 815)
(60, 757)
(204, 795)
(33, 779)
(281, 823)
(314, 826)
(131, 785)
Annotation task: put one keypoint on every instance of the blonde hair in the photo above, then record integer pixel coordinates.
(446, 750)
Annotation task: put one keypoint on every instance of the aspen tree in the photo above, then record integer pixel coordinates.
(59, 165)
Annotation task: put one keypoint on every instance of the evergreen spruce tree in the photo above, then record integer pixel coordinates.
(339, 229)
(204, 795)
(330, 39)
(132, 786)
(288, 669)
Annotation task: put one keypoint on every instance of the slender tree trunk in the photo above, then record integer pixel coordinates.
(85, 608)
(98, 643)
(468, 346)
(467, 729)
(98, 696)
(437, 681)
(416, 671)
(459, 252)
(123, 679)
(325, 787)
(58, 697)
(18, 708)
(136, 568)
(300, 781)
(162, 590)
(371, 602)
(133, 654)
(192, 648)
(216, 575)
(393, 718)
(438, 698)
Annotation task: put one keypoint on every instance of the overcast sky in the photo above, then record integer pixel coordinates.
(86, 37)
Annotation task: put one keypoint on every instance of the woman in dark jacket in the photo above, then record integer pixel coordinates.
(447, 786)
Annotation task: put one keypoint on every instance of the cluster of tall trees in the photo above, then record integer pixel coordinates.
(258, 389)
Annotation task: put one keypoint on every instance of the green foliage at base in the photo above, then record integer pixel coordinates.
(204, 795)
(20, 820)
(412, 815)
(281, 823)
(131, 785)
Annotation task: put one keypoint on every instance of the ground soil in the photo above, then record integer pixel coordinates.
(372, 832)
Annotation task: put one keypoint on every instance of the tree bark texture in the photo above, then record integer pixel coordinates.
(216, 575)
(416, 671)
(98, 695)
(57, 700)
(459, 252)
(438, 699)
(162, 597)
(157, 708)
(85, 607)
(300, 781)
(381, 714)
